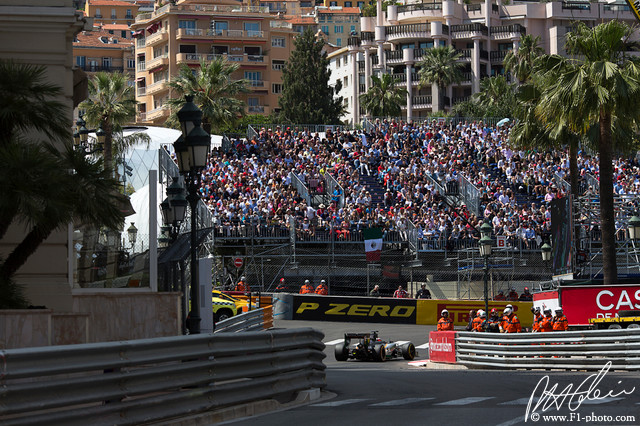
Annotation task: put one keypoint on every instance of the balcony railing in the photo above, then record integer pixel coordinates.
(255, 58)
(459, 99)
(156, 37)
(142, 91)
(407, 28)
(498, 55)
(474, 7)
(616, 7)
(576, 6)
(514, 28)
(142, 66)
(470, 28)
(484, 54)
(421, 100)
(156, 112)
(393, 54)
(353, 41)
(402, 77)
(157, 86)
(362, 88)
(467, 77)
(158, 60)
(256, 83)
(465, 53)
(140, 43)
(419, 6)
(97, 68)
(205, 9)
(360, 65)
(256, 109)
(280, 24)
(368, 36)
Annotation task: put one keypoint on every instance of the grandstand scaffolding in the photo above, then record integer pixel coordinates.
(501, 269)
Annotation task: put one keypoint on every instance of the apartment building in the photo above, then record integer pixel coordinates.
(338, 23)
(483, 31)
(193, 30)
(107, 48)
(111, 11)
(345, 3)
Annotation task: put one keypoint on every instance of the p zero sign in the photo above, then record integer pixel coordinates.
(354, 309)
(581, 303)
(634, 5)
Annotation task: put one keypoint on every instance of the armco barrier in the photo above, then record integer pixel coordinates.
(141, 381)
(246, 321)
(583, 350)
(385, 309)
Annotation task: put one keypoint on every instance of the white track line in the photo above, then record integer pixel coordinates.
(466, 401)
(334, 342)
(399, 402)
(425, 346)
(338, 403)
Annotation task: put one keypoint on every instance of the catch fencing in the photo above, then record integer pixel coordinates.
(581, 350)
(141, 381)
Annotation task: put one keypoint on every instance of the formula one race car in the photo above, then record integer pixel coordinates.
(371, 348)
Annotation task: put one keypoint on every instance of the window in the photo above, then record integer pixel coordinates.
(333, 3)
(220, 50)
(81, 61)
(353, 29)
(253, 102)
(184, 48)
(98, 13)
(360, 4)
(278, 42)
(347, 4)
(345, 82)
(338, 29)
(276, 88)
(218, 27)
(254, 77)
(128, 14)
(338, 61)
(338, 42)
(277, 65)
(252, 29)
(113, 14)
(131, 63)
(325, 29)
(106, 63)
(187, 24)
(123, 33)
(110, 31)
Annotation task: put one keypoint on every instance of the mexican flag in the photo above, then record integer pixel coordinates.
(372, 243)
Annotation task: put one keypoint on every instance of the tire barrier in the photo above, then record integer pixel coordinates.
(141, 381)
(567, 350)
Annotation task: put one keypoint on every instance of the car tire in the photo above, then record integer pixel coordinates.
(223, 314)
(379, 353)
(342, 352)
(408, 351)
(626, 314)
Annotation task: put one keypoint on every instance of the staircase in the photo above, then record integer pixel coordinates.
(375, 189)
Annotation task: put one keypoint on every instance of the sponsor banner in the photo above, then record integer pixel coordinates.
(546, 300)
(635, 8)
(442, 346)
(428, 311)
(584, 302)
(354, 309)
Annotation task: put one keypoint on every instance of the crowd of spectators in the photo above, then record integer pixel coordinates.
(250, 186)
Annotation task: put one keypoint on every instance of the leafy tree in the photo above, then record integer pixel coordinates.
(496, 97)
(599, 85)
(307, 97)
(440, 66)
(39, 191)
(215, 91)
(111, 104)
(521, 61)
(384, 98)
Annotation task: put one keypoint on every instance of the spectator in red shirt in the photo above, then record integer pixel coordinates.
(400, 293)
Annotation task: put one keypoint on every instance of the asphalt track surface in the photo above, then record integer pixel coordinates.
(394, 392)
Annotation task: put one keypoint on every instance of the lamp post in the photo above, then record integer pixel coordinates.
(81, 138)
(192, 149)
(485, 244)
(132, 231)
(546, 254)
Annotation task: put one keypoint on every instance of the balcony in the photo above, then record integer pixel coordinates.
(98, 16)
(158, 61)
(421, 101)
(505, 32)
(157, 87)
(468, 30)
(142, 91)
(368, 36)
(484, 55)
(393, 56)
(420, 10)
(256, 84)
(576, 6)
(401, 77)
(467, 78)
(353, 41)
(474, 7)
(98, 68)
(142, 116)
(142, 66)
(465, 54)
(498, 56)
(255, 109)
(141, 42)
(157, 37)
(457, 100)
(407, 32)
(157, 113)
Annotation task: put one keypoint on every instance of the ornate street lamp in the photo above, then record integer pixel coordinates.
(485, 245)
(132, 231)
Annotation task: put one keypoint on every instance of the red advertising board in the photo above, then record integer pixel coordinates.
(584, 302)
(442, 346)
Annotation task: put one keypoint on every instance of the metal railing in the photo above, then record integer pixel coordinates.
(301, 187)
(582, 350)
(470, 28)
(419, 6)
(562, 184)
(470, 194)
(142, 381)
(592, 181)
(332, 184)
(247, 321)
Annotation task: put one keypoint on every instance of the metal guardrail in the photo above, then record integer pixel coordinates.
(332, 184)
(583, 350)
(301, 187)
(141, 381)
(470, 194)
(247, 321)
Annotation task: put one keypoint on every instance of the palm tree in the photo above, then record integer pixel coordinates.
(521, 62)
(496, 97)
(384, 98)
(110, 105)
(214, 89)
(440, 67)
(601, 86)
(39, 192)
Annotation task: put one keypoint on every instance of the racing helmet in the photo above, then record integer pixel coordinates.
(526, 289)
(322, 282)
(480, 312)
(507, 311)
(281, 280)
(483, 314)
(558, 310)
(242, 278)
(444, 312)
(494, 311)
(547, 311)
